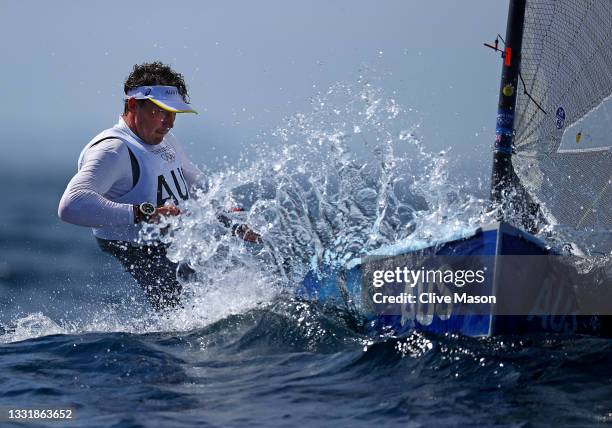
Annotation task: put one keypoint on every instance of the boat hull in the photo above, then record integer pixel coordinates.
(532, 307)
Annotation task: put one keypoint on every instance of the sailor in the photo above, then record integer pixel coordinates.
(135, 173)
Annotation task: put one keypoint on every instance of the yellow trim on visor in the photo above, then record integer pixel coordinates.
(170, 109)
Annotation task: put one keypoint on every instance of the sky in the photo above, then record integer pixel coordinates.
(248, 65)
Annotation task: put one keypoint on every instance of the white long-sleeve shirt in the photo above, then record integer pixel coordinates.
(104, 176)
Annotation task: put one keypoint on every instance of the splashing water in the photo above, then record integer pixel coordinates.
(324, 189)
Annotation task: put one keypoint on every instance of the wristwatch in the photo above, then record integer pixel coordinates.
(143, 212)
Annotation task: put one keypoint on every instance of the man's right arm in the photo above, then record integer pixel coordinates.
(106, 169)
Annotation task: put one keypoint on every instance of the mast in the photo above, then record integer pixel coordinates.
(502, 173)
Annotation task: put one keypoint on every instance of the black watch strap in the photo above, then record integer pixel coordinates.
(136, 210)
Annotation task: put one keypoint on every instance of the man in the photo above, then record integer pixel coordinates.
(135, 173)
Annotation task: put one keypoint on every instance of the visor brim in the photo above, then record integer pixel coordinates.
(174, 106)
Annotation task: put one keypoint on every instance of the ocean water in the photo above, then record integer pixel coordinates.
(326, 186)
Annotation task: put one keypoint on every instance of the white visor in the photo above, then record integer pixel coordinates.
(166, 97)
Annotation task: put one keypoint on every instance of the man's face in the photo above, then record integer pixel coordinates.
(152, 123)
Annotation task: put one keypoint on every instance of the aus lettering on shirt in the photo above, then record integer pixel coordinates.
(169, 187)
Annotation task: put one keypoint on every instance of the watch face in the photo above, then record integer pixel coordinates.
(147, 208)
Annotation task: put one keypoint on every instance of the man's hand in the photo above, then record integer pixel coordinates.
(242, 231)
(245, 233)
(166, 210)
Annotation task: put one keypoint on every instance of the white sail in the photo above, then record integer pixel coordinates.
(563, 144)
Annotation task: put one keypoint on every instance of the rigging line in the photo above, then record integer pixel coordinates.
(529, 95)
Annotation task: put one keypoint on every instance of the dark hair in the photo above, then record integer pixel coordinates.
(154, 73)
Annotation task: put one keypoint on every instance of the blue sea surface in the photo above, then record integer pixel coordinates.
(283, 362)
